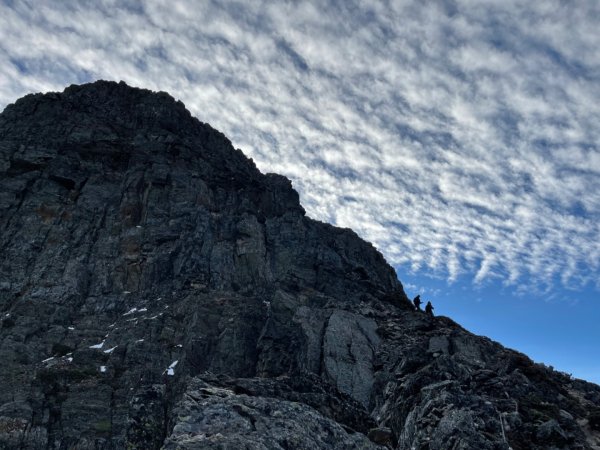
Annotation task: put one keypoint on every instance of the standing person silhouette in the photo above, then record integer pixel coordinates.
(417, 302)
(429, 309)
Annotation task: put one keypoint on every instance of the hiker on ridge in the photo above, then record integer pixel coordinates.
(417, 302)
(429, 309)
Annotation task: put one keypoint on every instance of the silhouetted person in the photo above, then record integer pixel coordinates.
(429, 309)
(417, 302)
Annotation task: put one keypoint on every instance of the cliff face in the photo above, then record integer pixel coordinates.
(157, 290)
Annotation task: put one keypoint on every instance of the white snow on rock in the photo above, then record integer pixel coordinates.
(110, 350)
(171, 369)
(102, 369)
(100, 345)
(48, 359)
(131, 311)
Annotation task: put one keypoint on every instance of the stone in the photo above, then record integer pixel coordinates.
(550, 431)
(438, 344)
(158, 291)
(382, 436)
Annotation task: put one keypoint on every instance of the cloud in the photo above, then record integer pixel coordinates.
(460, 137)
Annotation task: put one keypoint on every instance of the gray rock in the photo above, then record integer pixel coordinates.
(157, 290)
(382, 436)
(349, 344)
(550, 431)
(216, 417)
(438, 344)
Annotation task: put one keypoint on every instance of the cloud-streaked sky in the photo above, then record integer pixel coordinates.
(460, 137)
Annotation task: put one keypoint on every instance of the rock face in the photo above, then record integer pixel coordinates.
(157, 290)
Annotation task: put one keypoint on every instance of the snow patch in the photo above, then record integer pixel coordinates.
(131, 311)
(100, 345)
(102, 369)
(48, 359)
(110, 350)
(171, 369)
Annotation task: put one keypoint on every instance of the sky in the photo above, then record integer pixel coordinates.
(460, 137)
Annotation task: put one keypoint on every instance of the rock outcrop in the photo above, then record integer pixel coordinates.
(158, 291)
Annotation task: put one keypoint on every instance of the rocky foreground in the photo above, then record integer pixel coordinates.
(158, 291)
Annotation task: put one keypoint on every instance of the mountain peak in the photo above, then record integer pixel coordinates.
(117, 95)
(157, 290)
(108, 104)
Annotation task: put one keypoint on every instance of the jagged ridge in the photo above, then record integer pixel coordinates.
(158, 290)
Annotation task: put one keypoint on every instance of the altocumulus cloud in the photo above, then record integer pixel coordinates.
(461, 137)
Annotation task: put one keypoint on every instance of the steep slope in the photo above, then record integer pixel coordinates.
(157, 290)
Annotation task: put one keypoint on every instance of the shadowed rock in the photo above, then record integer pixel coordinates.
(157, 290)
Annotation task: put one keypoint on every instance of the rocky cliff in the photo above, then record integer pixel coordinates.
(157, 290)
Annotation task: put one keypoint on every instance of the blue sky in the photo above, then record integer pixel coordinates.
(460, 137)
